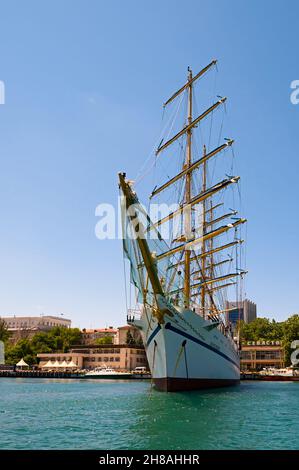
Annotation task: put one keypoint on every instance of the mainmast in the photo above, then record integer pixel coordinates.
(203, 260)
(211, 246)
(188, 192)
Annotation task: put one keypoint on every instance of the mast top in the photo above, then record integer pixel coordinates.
(191, 79)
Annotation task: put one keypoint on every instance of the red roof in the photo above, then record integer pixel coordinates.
(127, 327)
(100, 330)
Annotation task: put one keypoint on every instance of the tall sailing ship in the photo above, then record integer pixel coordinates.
(182, 276)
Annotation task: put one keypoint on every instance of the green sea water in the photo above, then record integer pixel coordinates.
(94, 414)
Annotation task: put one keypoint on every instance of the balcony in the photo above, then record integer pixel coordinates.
(133, 316)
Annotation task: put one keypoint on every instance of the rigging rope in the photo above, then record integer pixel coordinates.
(141, 176)
(125, 276)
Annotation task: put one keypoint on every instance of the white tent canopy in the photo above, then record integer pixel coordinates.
(72, 364)
(48, 364)
(22, 363)
(63, 365)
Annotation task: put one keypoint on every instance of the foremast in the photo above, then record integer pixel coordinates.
(188, 193)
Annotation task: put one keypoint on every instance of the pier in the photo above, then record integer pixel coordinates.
(80, 375)
(41, 374)
(61, 375)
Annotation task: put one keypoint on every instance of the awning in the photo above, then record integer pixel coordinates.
(64, 364)
(72, 364)
(22, 363)
(48, 364)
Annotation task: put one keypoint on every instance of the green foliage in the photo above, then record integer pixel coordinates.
(130, 339)
(104, 340)
(4, 333)
(58, 339)
(23, 348)
(290, 333)
(262, 329)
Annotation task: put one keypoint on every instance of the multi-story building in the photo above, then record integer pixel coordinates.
(121, 357)
(256, 355)
(119, 335)
(89, 336)
(26, 327)
(244, 310)
(42, 323)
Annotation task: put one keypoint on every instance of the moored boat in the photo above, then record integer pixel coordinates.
(106, 373)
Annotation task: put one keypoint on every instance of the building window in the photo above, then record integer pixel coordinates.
(264, 355)
(246, 355)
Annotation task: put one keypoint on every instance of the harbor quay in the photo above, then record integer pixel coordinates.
(256, 358)
(119, 353)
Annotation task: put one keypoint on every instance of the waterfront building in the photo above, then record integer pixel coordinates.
(120, 357)
(256, 355)
(89, 336)
(244, 310)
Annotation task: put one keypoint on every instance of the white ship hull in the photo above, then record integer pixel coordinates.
(188, 352)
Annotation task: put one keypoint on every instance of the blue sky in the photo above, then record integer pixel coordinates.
(84, 86)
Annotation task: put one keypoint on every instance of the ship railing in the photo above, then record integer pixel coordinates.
(133, 315)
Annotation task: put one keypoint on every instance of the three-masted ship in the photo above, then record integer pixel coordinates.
(182, 280)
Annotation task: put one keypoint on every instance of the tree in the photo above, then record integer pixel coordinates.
(23, 349)
(261, 329)
(130, 339)
(104, 340)
(290, 333)
(4, 333)
(58, 339)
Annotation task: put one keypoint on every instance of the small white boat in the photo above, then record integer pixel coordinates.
(285, 372)
(106, 373)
